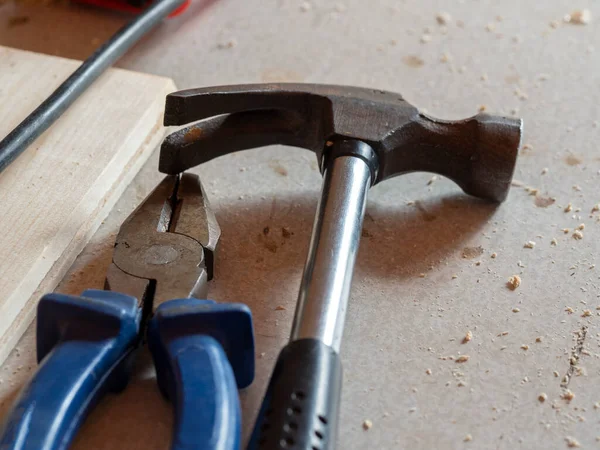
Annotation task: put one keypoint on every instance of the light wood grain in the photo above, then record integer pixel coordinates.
(56, 194)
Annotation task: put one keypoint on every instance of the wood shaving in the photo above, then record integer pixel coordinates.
(568, 208)
(532, 190)
(586, 313)
(529, 244)
(494, 255)
(504, 333)
(516, 310)
(568, 395)
(513, 283)
(468, 438)
(596, 208)
(577, 235)
(569, 310)
(367, 424)
(542, 397)
(554, 242)
(544, 171)
(538, 339)
(422, 275)
(525, 347)
(565, 230)
(572, 442)
(579, 17)
(467, 337)
(462, 358)
(577, 188)
(481, 108)
(428, 372)
(426, 38)
(280, 308)
(556, 374)
(432, 180)
(454, 277)
(443, 18)
(581, 226)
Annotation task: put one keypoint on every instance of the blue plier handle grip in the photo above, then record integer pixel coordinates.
(203, 352)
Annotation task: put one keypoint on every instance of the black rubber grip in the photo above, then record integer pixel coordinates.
(301, 407)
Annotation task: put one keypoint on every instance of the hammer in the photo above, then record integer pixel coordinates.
(361, 137)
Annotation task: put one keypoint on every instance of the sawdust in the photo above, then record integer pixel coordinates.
(577, 235)
(514, 282)
(538, 339)
(443, 18)
(529, 244)
(579, 17)
(572, 160)
(367, 425)
(472, 252)
(554, 242)
(568, 395)
(305, 7)
(494, 255)
(280, 308)
(586, 313)
(595, 208)
(581, 227)
(544, 202)
(426, 38)
(468, 438)
(462, 358)
(366, 233)
(468, 337)
(428, 372)
(568, 208)
(572, 442)
(446, 57)
(413, 61)
(542, 397)
(525, 347)
(545, 171)
(230, 43)
(516, 310)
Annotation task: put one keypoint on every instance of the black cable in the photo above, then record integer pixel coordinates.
(52, 108)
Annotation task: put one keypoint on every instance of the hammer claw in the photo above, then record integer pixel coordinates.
(478, 153)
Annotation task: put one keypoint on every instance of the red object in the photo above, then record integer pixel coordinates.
(129, 6)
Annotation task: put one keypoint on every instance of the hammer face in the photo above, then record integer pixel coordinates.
(478, 153)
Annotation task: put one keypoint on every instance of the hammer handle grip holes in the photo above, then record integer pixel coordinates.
(301, 407)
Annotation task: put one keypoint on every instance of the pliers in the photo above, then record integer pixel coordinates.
(203, 351)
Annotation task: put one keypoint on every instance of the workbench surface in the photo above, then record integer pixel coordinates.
(433, 263)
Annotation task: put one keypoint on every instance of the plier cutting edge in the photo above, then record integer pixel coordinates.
(203, 351)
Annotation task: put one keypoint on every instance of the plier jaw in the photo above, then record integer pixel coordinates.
(165, 248)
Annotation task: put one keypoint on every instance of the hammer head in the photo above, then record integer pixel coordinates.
(478, 153)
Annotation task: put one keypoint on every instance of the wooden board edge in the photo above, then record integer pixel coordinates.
(54, 276)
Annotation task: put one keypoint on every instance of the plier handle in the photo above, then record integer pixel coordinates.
(203, 351)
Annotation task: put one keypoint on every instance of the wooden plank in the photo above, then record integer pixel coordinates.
(57, 193)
